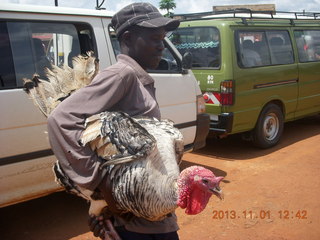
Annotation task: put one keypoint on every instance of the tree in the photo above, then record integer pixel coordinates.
(167, 5)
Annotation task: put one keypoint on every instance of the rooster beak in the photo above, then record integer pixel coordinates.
(218, 192)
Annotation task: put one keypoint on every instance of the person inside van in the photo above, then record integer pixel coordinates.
(41, 60)
(124, 86)
(250, 57)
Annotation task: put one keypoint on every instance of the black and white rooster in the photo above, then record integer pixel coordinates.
(141, 154)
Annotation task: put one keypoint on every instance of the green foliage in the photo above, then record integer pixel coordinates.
(167, 5)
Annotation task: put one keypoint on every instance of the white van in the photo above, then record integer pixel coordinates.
(32, 37)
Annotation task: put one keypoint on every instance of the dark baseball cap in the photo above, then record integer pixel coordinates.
(141, 14)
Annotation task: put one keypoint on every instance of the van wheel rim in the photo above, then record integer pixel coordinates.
(271, 127)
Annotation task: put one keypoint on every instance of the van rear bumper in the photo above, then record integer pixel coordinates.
(223, 125)
(203, 123)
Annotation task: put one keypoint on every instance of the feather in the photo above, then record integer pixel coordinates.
(39, 93)
(93, 130)
(62, 82)
(116, 136)
(62, 179)
(85, 68)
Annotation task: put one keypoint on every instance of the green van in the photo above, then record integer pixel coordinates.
(255, 72)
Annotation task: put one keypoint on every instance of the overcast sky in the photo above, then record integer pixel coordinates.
(183, 6)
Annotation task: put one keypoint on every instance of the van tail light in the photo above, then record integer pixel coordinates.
(224, 97)
(226, 92)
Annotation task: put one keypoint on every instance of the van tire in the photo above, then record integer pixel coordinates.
(269, 127)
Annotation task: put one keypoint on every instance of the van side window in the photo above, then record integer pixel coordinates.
(35, 46)
(7, 74)
(308, 44)
(280, 47)
(252, 48)
(263, 48)
(202, 42)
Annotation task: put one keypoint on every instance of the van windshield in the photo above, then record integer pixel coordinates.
(202, 42)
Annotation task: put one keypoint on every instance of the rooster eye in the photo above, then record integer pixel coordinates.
(205, 181)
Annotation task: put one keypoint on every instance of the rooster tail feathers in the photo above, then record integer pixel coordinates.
(38, 93)
(85, 68)
(62, 82)
(30, 84)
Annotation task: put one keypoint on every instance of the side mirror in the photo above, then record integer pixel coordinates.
(187, 60)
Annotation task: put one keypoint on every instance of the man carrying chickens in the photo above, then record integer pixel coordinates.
(123, 87)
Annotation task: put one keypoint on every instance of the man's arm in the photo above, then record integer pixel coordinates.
(66, 123)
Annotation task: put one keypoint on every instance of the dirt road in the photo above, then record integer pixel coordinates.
(269, 194)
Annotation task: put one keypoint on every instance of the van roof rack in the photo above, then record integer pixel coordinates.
(245, 13)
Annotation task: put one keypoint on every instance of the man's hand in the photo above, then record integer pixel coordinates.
(102, 228)
(96, 226)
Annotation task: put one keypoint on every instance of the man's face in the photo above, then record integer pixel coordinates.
(147, 46)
